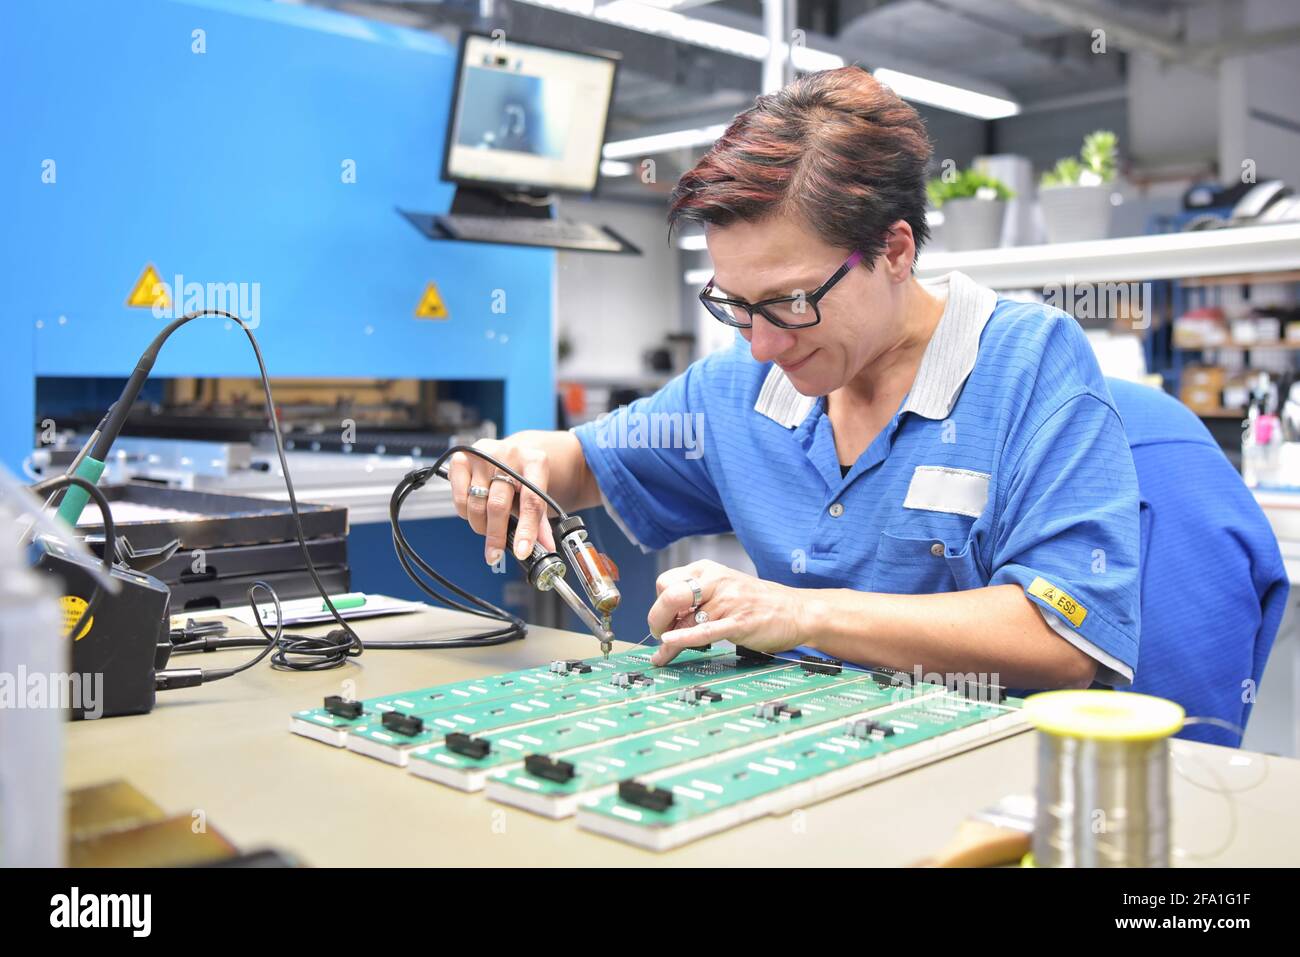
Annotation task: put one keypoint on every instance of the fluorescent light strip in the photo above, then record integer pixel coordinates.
(615, 168)
(946, 96)
(663, 142)
(810, 61)
(666, 23)
(754, 46)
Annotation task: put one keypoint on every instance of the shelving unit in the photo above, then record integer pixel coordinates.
(1230, 252)
(1179, 265)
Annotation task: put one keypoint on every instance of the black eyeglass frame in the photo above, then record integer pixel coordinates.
(720, 307)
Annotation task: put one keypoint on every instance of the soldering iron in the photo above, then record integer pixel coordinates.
(545, 569)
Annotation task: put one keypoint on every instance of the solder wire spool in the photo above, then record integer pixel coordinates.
(1103, 778)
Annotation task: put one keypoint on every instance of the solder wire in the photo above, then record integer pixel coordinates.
(1103, 793)
(1102, 803)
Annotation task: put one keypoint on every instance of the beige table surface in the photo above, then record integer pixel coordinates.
(225, 749)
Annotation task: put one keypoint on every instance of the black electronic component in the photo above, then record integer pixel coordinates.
(570, 666)
(814, 665)
(407, 724)
(889, 678)
(768, 710)
(645, 795)
(866, 729)
(552, 769)
(342, 707)
(983, 692)
(773, 710)
(470, 747)
(630, 679)
(749, 654)
(697, 694)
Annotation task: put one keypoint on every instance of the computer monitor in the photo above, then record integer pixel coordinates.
(527, 116)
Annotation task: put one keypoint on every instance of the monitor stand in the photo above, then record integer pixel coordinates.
(480, 201)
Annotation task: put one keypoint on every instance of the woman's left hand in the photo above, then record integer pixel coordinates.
(735, 607)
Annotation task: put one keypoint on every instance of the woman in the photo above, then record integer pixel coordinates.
(925, 475)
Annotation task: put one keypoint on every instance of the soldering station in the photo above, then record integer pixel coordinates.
(894, 421)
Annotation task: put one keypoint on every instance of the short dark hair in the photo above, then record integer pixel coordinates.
(838, 148)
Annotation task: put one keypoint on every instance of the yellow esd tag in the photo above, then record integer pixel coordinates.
(1058, 599)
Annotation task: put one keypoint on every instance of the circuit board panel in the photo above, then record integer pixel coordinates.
(795, 772)
(569, 733)
(659, 756)
(599, 768)
(591, 692)
(332, 728)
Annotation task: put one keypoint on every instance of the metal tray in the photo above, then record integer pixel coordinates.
(225, 519)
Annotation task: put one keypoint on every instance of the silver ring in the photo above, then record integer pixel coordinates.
(701, 617)
(697, 596)
(503, 477)
(478, 491)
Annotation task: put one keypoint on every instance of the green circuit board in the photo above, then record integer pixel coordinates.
(576, 733)
(457, 694)
(795, 771)
(661, 756)
(593, 692)
(599, 768)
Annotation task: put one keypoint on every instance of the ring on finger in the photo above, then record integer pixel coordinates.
(503, 477)
(478, 491)
(697, 594)
(701, 617)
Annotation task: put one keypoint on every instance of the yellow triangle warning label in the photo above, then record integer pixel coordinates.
(431, 305)
(149, 290)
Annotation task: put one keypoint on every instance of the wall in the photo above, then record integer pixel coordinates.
(613, 308)
(1258, 106)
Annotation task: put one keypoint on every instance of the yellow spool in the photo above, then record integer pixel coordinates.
(1103, 778)
(1104, 715)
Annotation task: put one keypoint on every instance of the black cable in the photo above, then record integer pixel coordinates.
(110, 533)
(312, 653)
(354, 646)
(436, 468)
(513, 628)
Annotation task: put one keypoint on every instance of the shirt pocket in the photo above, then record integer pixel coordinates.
(924, 566)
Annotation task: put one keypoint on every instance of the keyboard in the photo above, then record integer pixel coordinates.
(556, 233)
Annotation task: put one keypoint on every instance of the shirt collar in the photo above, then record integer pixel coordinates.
(945, 365)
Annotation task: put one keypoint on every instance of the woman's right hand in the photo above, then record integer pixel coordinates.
(490, 516)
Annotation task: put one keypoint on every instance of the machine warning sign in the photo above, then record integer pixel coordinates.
(149, 290)
(431, 305)
(73, 608)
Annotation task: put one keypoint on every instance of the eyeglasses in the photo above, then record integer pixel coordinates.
(786, 312)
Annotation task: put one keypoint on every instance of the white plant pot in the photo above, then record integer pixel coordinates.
(1073, 214)
(973, 223)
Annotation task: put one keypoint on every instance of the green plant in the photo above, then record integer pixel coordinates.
(967, 184)
(1094, 165)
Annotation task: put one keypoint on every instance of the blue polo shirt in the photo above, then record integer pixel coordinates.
(1006, 463)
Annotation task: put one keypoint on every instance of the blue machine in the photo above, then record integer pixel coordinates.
(245, 142)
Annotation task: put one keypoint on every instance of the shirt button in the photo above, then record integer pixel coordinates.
(937, 549)
(836, 510)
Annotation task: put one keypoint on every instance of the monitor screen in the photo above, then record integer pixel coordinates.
(528, 116)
